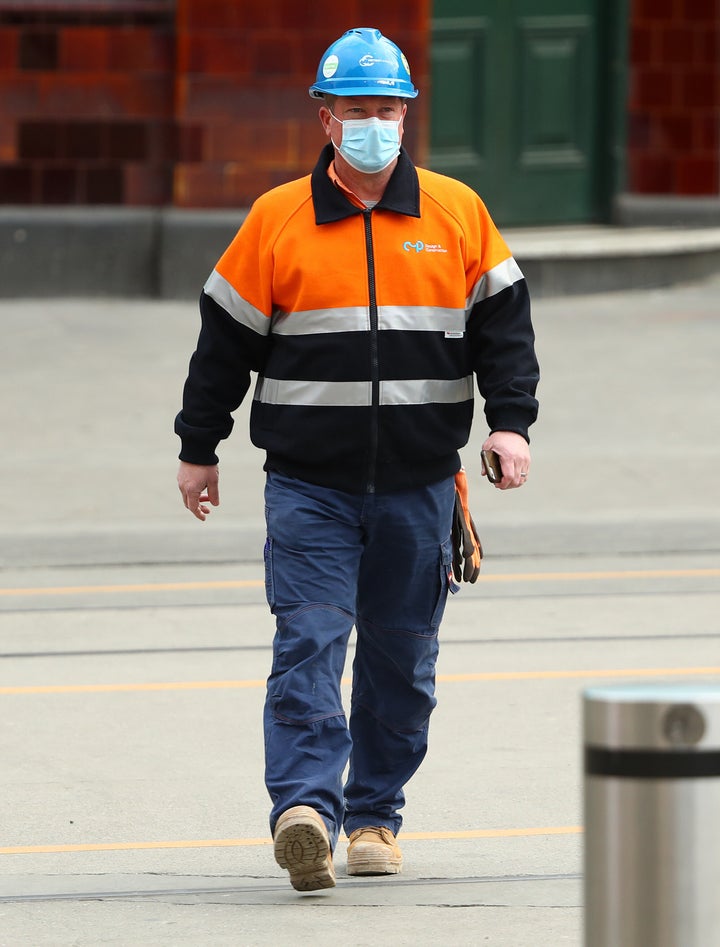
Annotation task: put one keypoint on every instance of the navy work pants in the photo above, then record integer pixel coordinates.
(382, 563)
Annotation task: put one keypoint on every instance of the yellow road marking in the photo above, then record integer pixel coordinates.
(152, 686)
(600, 574)
(135, 587)
(495, 833)
(249, 842)
(558, 675)
(442, 678)
(258, 583)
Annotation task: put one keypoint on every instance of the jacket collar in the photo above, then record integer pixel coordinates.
(402, 194)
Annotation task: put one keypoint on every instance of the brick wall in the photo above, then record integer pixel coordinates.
(242, 80)
(196, 103)
(203, 103)
(86, 99)
(674, 97)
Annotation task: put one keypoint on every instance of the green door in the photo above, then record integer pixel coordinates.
(521, 104)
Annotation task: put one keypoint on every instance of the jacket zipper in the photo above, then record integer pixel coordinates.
(374, 360)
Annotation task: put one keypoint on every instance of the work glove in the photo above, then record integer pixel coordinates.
(467, 548)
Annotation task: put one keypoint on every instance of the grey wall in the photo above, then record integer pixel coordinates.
(110, 252)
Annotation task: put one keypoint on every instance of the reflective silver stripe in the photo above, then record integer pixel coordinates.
(358, 394)
(421, 318)
(325, 393)
(494, 281)
(426, 391)
(315, 321)
(225, 295)
(357, 319)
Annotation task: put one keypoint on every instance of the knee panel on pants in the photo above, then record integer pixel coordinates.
(394, 677)
(308, 660)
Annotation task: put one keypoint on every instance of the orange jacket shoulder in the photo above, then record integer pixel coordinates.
(466, 206)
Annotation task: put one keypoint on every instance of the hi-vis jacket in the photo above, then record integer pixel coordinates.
(366, 329)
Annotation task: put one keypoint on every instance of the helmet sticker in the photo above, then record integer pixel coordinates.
(370, 60)
(330, 67)
(405, 63)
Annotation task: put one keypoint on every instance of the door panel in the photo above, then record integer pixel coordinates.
(515, 105)
(459, 58)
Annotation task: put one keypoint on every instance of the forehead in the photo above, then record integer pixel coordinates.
(369, 101)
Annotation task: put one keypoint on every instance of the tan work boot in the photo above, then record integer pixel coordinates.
(373, 851)
(302, 845)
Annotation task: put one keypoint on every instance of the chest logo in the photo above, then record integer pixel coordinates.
(419, 247)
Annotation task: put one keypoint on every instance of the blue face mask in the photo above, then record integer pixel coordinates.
(369, 144)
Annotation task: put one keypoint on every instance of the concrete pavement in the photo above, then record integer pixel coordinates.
(135, 641)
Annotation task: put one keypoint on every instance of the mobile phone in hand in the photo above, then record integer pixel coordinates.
(492, 465)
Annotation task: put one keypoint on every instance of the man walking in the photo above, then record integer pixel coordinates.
(367, 297)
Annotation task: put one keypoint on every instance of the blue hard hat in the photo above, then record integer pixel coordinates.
(363, 62)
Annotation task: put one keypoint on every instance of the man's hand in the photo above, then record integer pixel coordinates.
(514, 454)
(198, 486)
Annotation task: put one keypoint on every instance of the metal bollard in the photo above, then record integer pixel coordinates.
(652, 816)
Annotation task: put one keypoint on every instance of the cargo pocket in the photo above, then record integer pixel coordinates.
(445, 573)
(269, 574)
